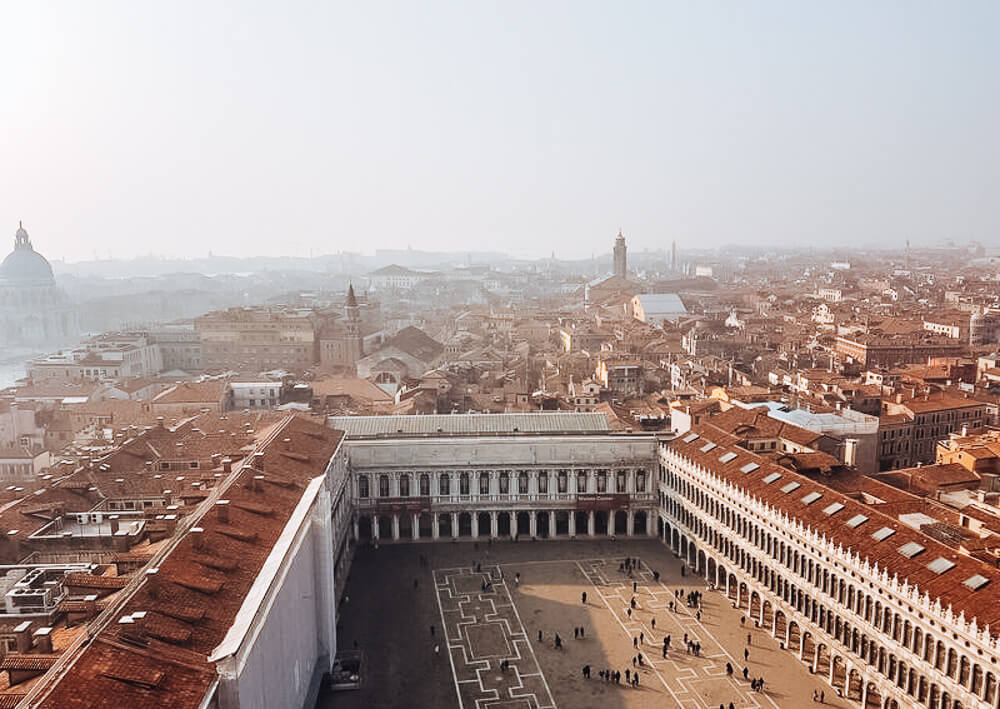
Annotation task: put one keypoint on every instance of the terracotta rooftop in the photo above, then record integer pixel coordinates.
(192, 600)
(845, 520)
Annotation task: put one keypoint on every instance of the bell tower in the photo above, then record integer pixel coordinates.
(352, 328)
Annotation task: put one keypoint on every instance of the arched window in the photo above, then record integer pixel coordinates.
(425, 485)
(463, 484)
(504, 483)
(363, 491)
(640, 481)
(404, 485)
(581, 481)
(484, 483)
(621, 484)
(563, 483)
(522, 483)
(543, 482)
(602, 481)
(444, 484)
(383, 486)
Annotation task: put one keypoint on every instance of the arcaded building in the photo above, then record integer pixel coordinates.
(34, 311)
(544, 475)
(883, 599)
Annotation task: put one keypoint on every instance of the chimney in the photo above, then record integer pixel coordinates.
(258, 483)
(850, 452)
(216, 459)
(965, 431)
(159, 421)
(258, 461)
(113, 521)
(198, 537)
(149, 466)
(153, 581)
(222, 508)
(130, 627)
(43, 640)
(22, 636)
(90, 604)
(227, 465)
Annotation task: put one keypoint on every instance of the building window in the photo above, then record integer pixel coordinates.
(581, 482)
(404, 485)
(504, 483)
(522, 483)
(383, 486)
(363, 486)
(425, 485)
(602, 481)
(543, 482)
(640, 481)
(621, 486)
(444, 484)
(463, 484)
(563, 483)
(484, 483)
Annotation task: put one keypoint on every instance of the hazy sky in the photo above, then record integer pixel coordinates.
(283, 128)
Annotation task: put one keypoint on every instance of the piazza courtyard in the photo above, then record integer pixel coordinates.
(488, 603)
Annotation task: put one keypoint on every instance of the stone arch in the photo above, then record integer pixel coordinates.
(465, 524)
(485, 524)
(444, 525)
(621, 522)
(426, 525)
(503, 524)
(523, 524)
(640, 522)
(364, 528)
(542, 524)
(406, 526)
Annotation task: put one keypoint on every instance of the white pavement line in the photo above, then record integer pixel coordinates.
(444, 629)
(531, 648)
(618, 620)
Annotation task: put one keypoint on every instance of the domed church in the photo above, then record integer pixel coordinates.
(33, 310)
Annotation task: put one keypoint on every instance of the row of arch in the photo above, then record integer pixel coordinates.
(919, 645)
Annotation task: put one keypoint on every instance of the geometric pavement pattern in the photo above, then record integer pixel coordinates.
(482, 629)
(693, 682)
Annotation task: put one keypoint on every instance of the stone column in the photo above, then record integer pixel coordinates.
(533, 523)
(435, 526)
(590, 523)
(416, 526)
(357, 529)
(375, 530)
(513, 523)
(454, 525)
(611, 523)
(475, 525)
(864, 691)
(572, 523)
(552, 524)
(630, 524)
(395, 528)
(494, 527)
(651, 523)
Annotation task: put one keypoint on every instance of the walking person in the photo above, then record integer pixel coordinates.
(583, 598)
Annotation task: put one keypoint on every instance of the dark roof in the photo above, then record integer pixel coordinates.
(417, 343)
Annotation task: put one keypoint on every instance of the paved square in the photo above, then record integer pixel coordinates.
(403, 601)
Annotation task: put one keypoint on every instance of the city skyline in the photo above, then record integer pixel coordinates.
(183, 130)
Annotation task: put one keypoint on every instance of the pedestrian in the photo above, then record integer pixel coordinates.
(652, 623)
(743, 619)
(635, 586)
(632, 602)
(583, 598)
(432, 631)
(746, 654)
(656, 576)
(629, 611)
(558, 642)
(815, 695)
(517, 577)
(539, 636)
(746, 673)
(628, 675)
(635, 679)
(640, 659)
(635, 642)
(581, 631)
(601, 674)
(729, 670)
(822, 696)
(576, 633)
(642, 638)
(698, 615)
(732, 706)
(685, 638)
(633, 661)
(586, 671)
(664, 652)
(437, 649)
(748, 639)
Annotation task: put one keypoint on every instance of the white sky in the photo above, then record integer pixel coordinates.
(177, 128)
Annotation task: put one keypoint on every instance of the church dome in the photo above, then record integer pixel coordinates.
(24, 265)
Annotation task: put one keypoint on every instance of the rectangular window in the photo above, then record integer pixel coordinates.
(543, 483)
(484, 484)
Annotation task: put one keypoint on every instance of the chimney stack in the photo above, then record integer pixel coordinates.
(227, 465)
(43, 640)
(153, 581)
(258, 461)
(258, 483)
(198, 537)
(90, 603)
(113, 521)
(216, 459)
(222, 508)
(130, 627)
(22, 636)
